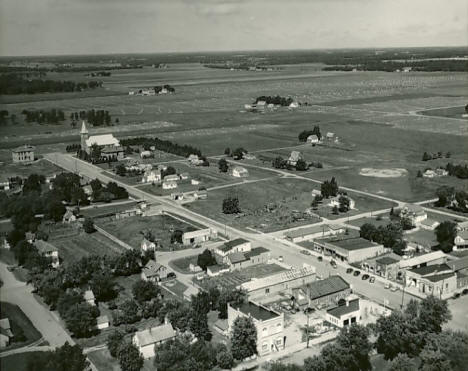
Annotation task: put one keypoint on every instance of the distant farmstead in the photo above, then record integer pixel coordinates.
(23, 154)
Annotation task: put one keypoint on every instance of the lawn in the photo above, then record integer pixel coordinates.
(74, 247)
(161, 226)
(175, 287)
(19, 322)
(104, 361)
(182, 265)
(42, 167)
(19, 362)
(100, 210)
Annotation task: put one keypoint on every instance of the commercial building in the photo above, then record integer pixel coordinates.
(237, 245)
(199, 236)
(268, 323)
(386, 266)
(437, 279)
(351, 250)
(346, 314)
(261, 289)
(23, 154)
(432, 258)
(328, 291)
(146, 340)
(313, 232)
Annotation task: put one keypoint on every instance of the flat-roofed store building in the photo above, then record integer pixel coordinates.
(313, 232)
(437, 279)
(198, 236)
(386, 266)
(261, 289)
(350, 250)
(23, 154)
(268, 323)
(346, 314)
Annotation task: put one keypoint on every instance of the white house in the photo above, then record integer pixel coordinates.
(195, 182)
(102, 322)
(313, 139)
(294, 157)
(69, 217)
(145, 154)
(146, 245)
(153, 271)
(335, 201)
(146, 340)
(240, 172)
(199, 236)
(184, 176)
(151, 176)
(330, 135)
(49, 251)
(89, 297)
(415, 213)
(194, 160)
(169, 185)
(294, 105)
(171, 178)
(461, 240)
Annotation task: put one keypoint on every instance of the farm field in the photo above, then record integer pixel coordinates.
(18, 362)
(73, 247)
(161, 227)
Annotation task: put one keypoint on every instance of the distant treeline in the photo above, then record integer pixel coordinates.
(277, 100)
(460, 171)
(169, 88)
(94, 117)
(52, 116)
(391, 66)
(17, 84)
(162, 145)
(99, 73)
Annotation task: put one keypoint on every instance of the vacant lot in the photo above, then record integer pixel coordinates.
(20, 324)
(182, 264)
(73, 248)
(130, 230)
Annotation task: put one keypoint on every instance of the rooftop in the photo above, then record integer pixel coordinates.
(327, 286)
(459, 264)
(255, 252)
(88, 295)
(431, 269)
(44, 247)
(342, 310)
(152, 268)
(258, 312)
(102, 319)
(155, 334)
(387, 260)
(289, 275)
(463, 234)
(422, 259)
(357, 243)
(231, 244)
(439, 277)
(308, 230)
(25, 148)
(102, 140)
(237, 257)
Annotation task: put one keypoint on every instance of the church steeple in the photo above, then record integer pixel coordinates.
(84, 137)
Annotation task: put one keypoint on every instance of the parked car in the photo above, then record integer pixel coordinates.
(365, 277)
(349, 270)
(387, 286)
(356, 273)
(372, 279)
(456, 296)
(320, 259)
(394, 288)
(305, 252)
(465, 291)
(280, 258)
(333, 264)
(171, 275)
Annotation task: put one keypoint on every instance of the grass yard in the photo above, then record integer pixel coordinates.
(182, 264)
(42, 167)
(381, 220)
(19, 362)
(175, 287)
(102, 210)
(422, 237)
(103, 360)
(73, 248)
(161, 226)
(19, 322)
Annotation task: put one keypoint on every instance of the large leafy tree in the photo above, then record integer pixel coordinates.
(66, 358)
(130, 358)
(223, 165)
(231, 205)
(205, 259)
(81, 319)
(145, 291)
(446, 233)
(114, 341)
(244, 338)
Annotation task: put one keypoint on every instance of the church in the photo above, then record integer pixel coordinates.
(109, 145)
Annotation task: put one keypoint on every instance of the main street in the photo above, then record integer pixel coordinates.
(278, 247)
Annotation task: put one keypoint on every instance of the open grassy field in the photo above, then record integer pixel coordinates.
(43, 167)
(18, 362)
(161, 226)
(72, 248)
(19, 323)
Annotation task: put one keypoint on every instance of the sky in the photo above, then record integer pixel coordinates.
(43, 27)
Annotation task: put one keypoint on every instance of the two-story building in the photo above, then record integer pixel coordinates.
(153, 271)
(23, 154)
(49, 251)
(327, 292)
(146, 340)
(268, 323)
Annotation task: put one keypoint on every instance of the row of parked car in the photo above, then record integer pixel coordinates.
(363, 277)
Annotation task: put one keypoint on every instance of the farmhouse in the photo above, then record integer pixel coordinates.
(330, 135)
(201, 194)
(102, 322)
(240, 172)
(199, 236)
(68, 217)
(109, 145)
(294, 158)
(49, 251)
(268, 323)
(195, 160)
(313, 139)
(328, 291)
(153, 271)
(23, 154)
(335, 201)
(346, 314)
(351, 250)
(146, 340)
(283, 282)
(151, 176)
(310, 233)
(5, 332)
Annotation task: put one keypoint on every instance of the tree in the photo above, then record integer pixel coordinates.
(446, 233)
(121, 170)
(81, 319)
(279, 163)
(66, 358)
(449, 348)
(88, 225)
(103, 286)
(238, 153)
(130, 358)
(445, 195)
(96, 185)
(145, 291)
(176, 236)
(344, 203)
(114, 341)
(95, 152)
(225, 360)
(205, 259)
(129, 310)
(33, 183)
(244, 338)
(231, 205)
(433, 313)
(223, 165)
(329, 188)
(406, 223)
(301, 165)
(402, 363)
(426, 157)
(199, 325)
(236, 296)
(227, 151)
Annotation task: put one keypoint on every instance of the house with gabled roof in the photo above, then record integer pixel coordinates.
(146, 340)
(153, 271)
(328, 291)
(48, 250)
(294, 157)
(89, 297)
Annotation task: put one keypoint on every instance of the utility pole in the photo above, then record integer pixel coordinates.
(308, 316)
(403, 294)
